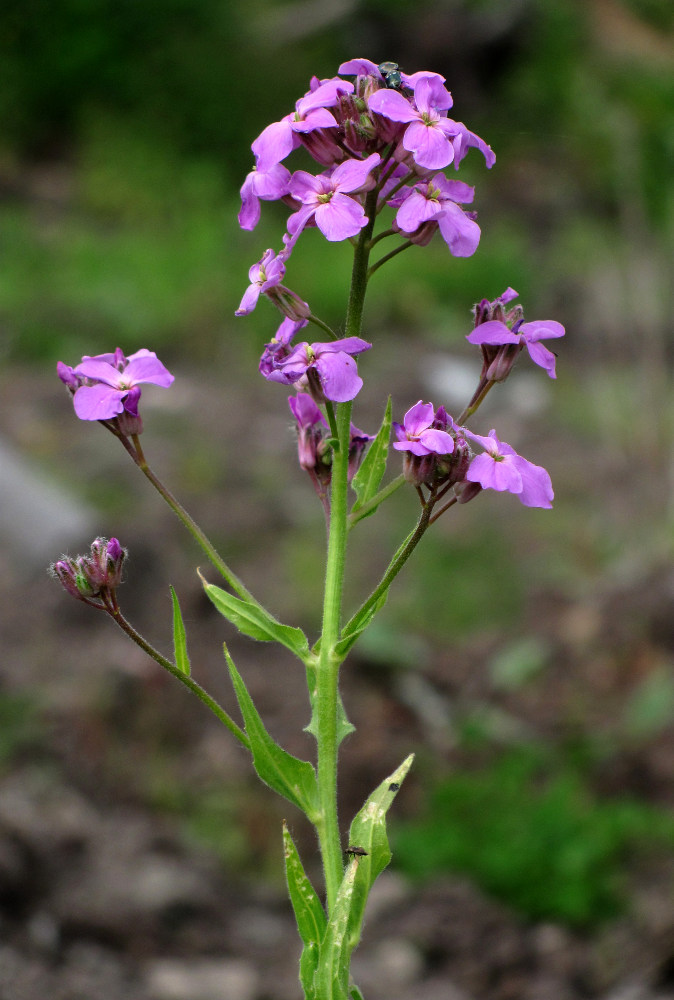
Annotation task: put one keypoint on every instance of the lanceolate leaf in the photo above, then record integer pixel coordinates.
(180, 656)
(332, 975)
(358, 624)
(369, 476)
(368, 831)
(293, 778)
(254, 621)
(309, 914)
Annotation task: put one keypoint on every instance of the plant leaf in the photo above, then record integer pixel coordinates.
(368, 831)
(291, 777)
(360, 621)
(180, 656)
(309, 913)
(256, 622)
(332, 974)
(369, 476)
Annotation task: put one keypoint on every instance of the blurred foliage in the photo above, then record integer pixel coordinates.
(531, 831)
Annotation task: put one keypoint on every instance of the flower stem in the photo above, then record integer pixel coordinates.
(394, 567)
(389, 256)
(357, 515)
(189, 683)
(136, 452)
(327, 677)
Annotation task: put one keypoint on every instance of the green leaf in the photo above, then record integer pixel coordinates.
(332, 975)
(293, 778)
(360, 621)
(182, 660)
(369, 476)
(256, 622)
(309, 914)
(368, 831)
(355, 993)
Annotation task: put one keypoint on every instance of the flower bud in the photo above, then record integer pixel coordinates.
(93, 575)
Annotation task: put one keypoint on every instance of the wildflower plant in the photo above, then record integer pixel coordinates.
(381, 140)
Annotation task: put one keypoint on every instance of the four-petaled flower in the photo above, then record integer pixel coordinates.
(325, 199)
(279, 139)
(429, 130)
(500, 468)
(418, 435)
(436, 201)
(529, 335)
(329, 369)
(106, 385)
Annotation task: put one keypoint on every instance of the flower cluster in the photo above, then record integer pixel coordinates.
(437, 453)
(95, 577)
(381, 137)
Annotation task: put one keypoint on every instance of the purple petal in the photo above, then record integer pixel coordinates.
(492, 332)
(429, 146)
(536, 484)
(493, 475)
(393, 105)
(249, 213)
(100, 371)
(340, 218)
(351, 175)
(249, 300)
(359, 67)
(98, 402)
(437, 442)
(460, 233)
(273, 144)
(318, 118)
(339, 376)
(418, 418)
(147, 369)
(415, 210)
(541, 329)
(305, 410)
(541, 356)
(350, 345)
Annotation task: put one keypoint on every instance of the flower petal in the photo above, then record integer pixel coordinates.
(98, 402)
(339, 376)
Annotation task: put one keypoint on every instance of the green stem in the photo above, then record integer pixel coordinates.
(323, 326)
(192, 685)
(136, 452)
(357, 515)
(476, 401)
(327, 676)
(389, 256)
(394, 567)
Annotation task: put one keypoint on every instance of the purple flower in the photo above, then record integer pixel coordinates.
(277, 350)
(279, 139)
(93, 578)
(417, 434)
(435, 201)
(265, 278)
(266, 186)
(424, 438)
(313, 453)
(500, 468)
(265, 274)
(496, 333)
(107, 385)
(325, 199)
(428, 131)
(329, 369)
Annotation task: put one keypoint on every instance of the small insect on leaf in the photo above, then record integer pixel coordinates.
(394, 786)
(358, 852)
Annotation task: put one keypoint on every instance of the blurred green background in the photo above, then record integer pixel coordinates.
(532, 651)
